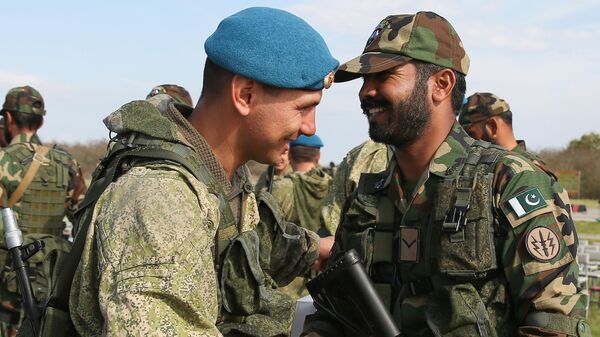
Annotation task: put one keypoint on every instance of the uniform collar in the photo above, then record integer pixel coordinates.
(451, 154)
(26, 137)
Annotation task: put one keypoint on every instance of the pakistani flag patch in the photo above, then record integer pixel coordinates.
(527, 202)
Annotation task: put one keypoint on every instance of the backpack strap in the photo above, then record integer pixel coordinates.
(38, 158)
(105, 175)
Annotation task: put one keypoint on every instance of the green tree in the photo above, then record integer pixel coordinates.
(588, 141)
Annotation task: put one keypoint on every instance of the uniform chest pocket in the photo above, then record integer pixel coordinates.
(358, 226)
(243, 284)
(467, 250)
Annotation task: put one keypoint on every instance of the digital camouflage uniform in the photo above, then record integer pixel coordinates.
(367, 157)
(481, 106)
(262, 182)
(54, 192)
(483, 244)
(173, 255)
(300, 196)
(178, 93)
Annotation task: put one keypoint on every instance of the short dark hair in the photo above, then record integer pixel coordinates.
(425, 70)
(304, 154)
(507, 117)
(215, 78)
(25, 120)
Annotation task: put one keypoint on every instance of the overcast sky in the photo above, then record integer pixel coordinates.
(543, 57)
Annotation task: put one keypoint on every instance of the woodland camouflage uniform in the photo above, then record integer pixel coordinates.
(482, 245)
(54, 192)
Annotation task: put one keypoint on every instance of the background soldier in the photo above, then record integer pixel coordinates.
(460, 237)
(178, 93)
(301, 192)
(168, 231)
(367, 157)
(281, 169)
(42, 185)
(488, 117)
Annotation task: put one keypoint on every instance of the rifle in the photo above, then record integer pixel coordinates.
(19, 255)
(345, 291)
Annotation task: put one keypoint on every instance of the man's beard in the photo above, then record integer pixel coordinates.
(406, 121)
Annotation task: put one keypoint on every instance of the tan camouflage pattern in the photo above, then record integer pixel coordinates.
(147, 268)
(262, 183)
(424, 36)
(301, 195)
(24, 99)
(178, 93)
(366, 157)
(481, 106)
(523, 288)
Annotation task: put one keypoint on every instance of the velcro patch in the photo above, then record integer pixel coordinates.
(527, 202)
(542, 244)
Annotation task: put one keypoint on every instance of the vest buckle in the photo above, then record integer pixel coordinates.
(455, 219)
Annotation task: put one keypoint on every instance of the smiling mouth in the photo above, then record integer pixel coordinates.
(372, 112)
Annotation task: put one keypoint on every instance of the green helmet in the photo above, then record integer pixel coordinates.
(178, 93)
(24, 99)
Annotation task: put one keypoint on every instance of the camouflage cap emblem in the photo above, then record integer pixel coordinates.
(481, 106)
(328, 80)
(542, 244)
(178, 93)
(24, 99)
(424, 36)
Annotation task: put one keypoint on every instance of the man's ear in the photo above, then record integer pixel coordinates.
(492, 125)
(243, 91)
(9, 117)
(443, 83)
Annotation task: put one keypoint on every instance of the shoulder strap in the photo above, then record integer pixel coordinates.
(38, 158)
(106, 174)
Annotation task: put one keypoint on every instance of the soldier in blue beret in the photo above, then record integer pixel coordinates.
(178, 244)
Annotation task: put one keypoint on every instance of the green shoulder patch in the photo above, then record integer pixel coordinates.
(527, 202)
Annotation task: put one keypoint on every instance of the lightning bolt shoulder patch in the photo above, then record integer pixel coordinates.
(542, 244)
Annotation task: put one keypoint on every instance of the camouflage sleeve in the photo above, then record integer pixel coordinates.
(283, 192)
(286, 250)
(330, 213)
(147, 267)
(539, 249)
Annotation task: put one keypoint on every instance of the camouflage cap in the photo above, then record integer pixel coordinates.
(481, 106)
(178, 93)
(24, 99)
(424, 36)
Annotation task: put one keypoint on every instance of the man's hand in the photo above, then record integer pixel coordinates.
(325, 245)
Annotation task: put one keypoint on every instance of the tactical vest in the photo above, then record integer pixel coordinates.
(42, 206)
(233, 252)
(457, 245)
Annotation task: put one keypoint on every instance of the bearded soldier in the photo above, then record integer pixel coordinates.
(459, 237)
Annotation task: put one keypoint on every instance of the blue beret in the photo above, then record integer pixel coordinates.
(274, 47)
(312, 141)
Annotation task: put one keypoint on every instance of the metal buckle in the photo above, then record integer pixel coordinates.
(457, 220)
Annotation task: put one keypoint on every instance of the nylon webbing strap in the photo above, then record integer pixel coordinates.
(38, 158)
(60, 297)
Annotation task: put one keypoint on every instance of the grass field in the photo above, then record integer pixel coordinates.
(585, 227)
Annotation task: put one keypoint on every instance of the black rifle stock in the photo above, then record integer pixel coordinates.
(345, 291)
(19, 254)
